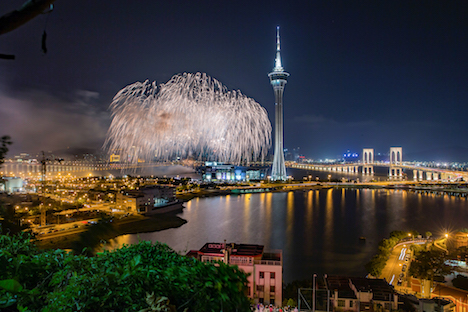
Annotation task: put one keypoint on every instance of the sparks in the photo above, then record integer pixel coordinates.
(192, 115)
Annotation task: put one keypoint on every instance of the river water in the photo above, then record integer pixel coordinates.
(317, 230)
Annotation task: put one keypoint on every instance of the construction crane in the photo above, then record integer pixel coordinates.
(44, 162)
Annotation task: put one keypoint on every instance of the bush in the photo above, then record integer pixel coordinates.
(126, 279)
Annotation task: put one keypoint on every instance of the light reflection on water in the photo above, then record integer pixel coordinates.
(317, 230)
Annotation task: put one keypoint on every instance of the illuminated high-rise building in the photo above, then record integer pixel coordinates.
(278, 79)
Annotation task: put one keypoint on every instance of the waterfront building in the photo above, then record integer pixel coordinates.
(360, 294)
(220, 172)
(278, 80)
(146, 199)
(457, 240)
(265, 268)
(11, 184)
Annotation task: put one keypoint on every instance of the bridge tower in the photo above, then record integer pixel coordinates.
(278, 80)
(395, 172)
(367, 161)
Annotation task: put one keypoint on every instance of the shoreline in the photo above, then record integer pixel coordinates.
(133, 225)
(158, 222)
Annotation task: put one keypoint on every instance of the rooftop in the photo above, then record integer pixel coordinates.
(250, 250)
(447, 291)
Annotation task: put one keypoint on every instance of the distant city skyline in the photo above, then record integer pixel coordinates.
(365, 74)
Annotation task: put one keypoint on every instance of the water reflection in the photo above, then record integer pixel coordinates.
(317, 230)
(329, 216)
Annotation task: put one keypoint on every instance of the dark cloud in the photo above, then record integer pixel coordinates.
(39, 121)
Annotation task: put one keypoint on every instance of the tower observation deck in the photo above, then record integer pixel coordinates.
(278, 80)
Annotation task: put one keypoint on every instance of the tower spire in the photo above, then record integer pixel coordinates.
(277, 39)
(278, 79)
(278, 66)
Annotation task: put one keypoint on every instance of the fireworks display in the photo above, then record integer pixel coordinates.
(192, 115)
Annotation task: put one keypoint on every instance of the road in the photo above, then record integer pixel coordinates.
(61, 230)
(397, 263)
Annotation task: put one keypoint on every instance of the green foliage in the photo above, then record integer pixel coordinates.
(290, 302)
(120, 280)
(376, 265)
(417, 248)
(398, 234)
(378, 262)
(428, 234)
(429, 263)
(290, 290)
(386, 245)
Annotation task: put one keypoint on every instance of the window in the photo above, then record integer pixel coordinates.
(272, 275)
(260, 287)
(272, 301)
(262, 274)
(272, 289)
(260, 300)
(341, 303)
(351, 303)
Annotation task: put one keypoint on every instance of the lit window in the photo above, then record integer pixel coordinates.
(341, 303)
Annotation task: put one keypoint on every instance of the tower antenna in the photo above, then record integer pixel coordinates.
(278, 80)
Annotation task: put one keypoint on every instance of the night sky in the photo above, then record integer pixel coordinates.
(363, 73)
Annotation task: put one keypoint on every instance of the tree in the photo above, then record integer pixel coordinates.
(8, 221)
(5, 141)
(428, 234)
(376, 265)
(428, 264)
(398, 234)
(28, 11)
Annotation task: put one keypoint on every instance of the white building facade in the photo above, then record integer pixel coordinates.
(265, 269)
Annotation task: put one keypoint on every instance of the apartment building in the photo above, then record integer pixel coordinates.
(361, 294)
(265, 268)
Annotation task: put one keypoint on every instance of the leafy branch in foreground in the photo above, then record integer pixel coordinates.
(56, 280)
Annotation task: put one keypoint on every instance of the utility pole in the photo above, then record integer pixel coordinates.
(313, 292)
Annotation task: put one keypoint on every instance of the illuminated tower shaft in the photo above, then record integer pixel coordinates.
(278, 79)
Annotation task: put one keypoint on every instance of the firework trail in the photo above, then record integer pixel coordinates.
(192, 115)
